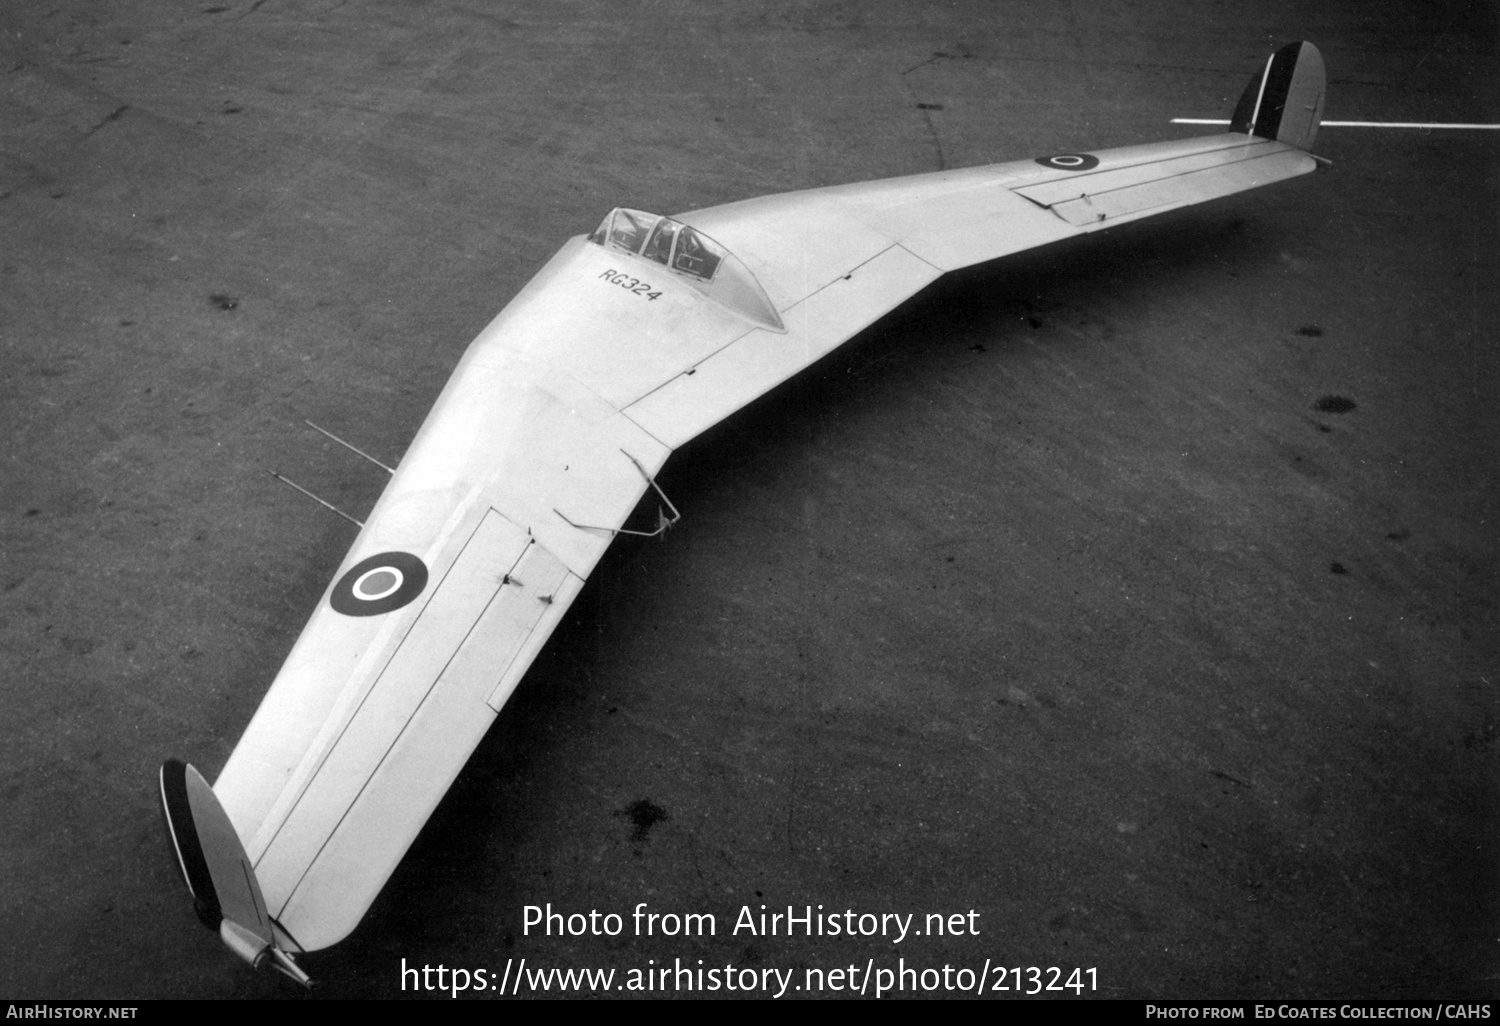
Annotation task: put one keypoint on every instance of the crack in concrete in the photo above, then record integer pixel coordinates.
(113, 115)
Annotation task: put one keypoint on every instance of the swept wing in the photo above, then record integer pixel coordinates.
(626, 345)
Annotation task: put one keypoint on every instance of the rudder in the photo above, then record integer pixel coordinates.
(1285, 101)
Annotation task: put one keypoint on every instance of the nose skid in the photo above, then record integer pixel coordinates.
(218, 873)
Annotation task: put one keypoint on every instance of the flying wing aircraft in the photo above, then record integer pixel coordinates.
(627, 344)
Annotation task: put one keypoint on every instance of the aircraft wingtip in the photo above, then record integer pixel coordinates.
(1285, 101)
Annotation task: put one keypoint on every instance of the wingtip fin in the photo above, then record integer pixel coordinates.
(1285, 101)
(219, 875)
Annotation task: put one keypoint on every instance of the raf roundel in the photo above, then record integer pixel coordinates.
(379, 584)
(1070, 161)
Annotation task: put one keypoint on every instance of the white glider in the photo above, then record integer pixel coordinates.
(626, 345)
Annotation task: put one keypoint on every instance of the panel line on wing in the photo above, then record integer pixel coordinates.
(329, 740)
(739, 374)
(786, 311)
(480, 623)
(1094, 182)
(1137, 158)
(1180, 182)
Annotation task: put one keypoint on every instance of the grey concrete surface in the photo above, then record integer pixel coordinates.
(1055, 596)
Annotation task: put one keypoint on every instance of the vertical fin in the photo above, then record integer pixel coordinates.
(1285, 101)
(218, 872)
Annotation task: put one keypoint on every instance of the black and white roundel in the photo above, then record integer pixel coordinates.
(379, 584)
(1070, 161)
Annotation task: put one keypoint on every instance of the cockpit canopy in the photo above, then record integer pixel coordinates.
(707, 266)
(667, 242)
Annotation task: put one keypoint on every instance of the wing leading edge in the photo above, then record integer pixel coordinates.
(625, 346)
